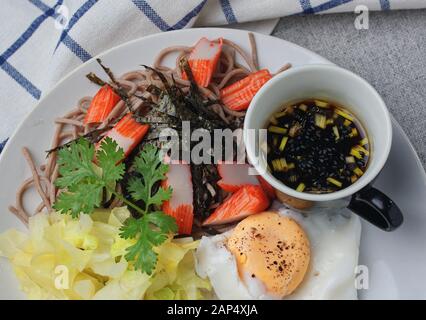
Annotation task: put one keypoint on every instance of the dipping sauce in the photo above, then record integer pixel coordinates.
(316, 146)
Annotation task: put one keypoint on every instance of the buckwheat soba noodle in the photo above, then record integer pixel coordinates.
(135, 84)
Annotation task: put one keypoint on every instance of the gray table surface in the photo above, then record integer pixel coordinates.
(391, 55)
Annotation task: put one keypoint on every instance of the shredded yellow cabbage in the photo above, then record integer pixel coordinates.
(62, 258)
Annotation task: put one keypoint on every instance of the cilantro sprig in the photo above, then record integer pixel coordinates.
(86, 175)
(153, 228)
(83, 181)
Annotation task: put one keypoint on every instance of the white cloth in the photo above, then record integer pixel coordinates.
(42, 40)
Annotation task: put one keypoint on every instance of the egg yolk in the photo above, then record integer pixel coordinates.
(272, 248)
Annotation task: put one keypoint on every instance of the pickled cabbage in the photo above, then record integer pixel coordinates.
(62, 258)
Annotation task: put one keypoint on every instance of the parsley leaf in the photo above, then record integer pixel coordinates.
(75, 163)
(150, 230)
(154, 227)
(108, 156)
(81, 198)
(82, 181)
(150, 166)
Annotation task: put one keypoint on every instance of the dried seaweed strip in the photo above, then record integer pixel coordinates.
(93, 136)
(203, 199)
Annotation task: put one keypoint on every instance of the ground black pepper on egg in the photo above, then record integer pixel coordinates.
(315, 152)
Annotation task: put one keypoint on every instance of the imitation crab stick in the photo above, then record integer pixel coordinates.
(128, 133)
(246, 201)
(102, 104)
(235, 175)
(238, 95)
(203, 60)
(180, 205)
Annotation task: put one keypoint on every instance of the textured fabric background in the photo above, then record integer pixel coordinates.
(391, 55)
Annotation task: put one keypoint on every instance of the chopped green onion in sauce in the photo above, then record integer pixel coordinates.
(322, 104)
(279, 130)
(303, 107)
(363, 142)
(347, 123)
(283, 143)
(320, 120)
(345, 115)
(300, 187)
(316, 146)
(335, 182)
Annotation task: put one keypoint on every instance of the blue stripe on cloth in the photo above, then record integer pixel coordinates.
(159, 22)
(306, 6)
(76, 48)
(7, 67)
(28, 33)
(227, 10)
(21, 80)
(325, 6)
(68, 41)
(39, 4)
(2, 145)
(185, 20)
(150, 13)
(75, 18)
(385, 4)
(80, 52)
(329, 5)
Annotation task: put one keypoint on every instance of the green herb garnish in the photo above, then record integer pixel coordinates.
(153, 227)
(150, 230)
(87, 177)
(83, 181)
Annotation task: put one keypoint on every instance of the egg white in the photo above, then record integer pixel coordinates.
(213, 260)
(334, 240)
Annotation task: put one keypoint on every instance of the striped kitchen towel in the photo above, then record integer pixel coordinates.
(42, 40)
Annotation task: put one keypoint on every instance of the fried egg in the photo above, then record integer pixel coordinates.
(283, 255)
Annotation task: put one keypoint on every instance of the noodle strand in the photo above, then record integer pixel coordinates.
(36, 177)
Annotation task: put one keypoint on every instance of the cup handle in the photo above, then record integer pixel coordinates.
(375, 207)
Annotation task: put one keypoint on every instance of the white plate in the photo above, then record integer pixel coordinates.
(396, 261)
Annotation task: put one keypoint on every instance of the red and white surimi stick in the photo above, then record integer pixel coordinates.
(203, 60)
(128, 133)
(246, 201)
(180, 206)
(238, 95)
(101, 106)
(235, 175)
